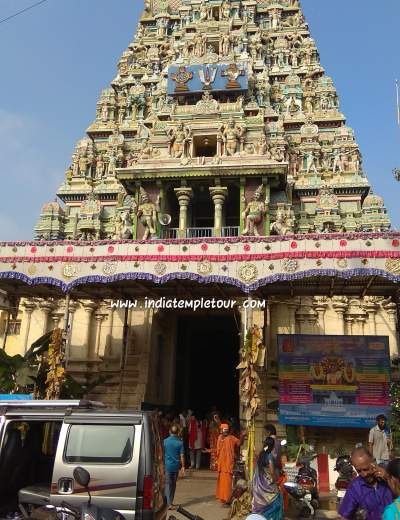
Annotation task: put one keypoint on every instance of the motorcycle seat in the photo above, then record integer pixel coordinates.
(38, 495)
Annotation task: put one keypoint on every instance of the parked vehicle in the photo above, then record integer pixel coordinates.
(43, 442)
(85, 512)
(304, 491)
(346, 473)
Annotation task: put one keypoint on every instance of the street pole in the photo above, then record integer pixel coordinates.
(396, 171)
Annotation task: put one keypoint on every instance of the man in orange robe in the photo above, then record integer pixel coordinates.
(226, 451)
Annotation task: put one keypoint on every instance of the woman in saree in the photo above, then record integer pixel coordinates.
(267, 499)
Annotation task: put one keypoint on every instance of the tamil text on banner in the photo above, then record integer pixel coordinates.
(333, 380)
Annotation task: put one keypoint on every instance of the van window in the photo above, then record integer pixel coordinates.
(99, 444)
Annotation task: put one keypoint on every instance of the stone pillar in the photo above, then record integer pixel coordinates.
(306, 317)
(184, 195)
(73, 306)
(371, 308)
(100, 316)
(46, 308)
(218, 194)
(28, 307)
(391, 309)
(320, 304)
(109, 339)
(339, 304)
(57, 316)
(89, 307)
(349, 329)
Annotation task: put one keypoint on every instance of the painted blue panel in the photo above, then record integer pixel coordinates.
(213, 77)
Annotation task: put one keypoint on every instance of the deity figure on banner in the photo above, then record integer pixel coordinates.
(254, 213)
(147, 213)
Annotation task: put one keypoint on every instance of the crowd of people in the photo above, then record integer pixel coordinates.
(187, 437)
(374, 494)
(195, 441)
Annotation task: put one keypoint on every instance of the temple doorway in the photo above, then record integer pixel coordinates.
(207, 354)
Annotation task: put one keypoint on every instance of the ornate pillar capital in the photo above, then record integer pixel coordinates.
(218, 195)
(89, 306)
(29, 307)
(183, 194)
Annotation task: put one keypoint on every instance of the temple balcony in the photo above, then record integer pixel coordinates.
(198, 232)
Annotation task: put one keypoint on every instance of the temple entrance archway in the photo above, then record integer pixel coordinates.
(207, 354)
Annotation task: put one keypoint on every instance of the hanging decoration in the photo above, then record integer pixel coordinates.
(56, 371)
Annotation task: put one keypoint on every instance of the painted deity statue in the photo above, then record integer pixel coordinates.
(283, 224)
(178, 139)
(147, 213)
(254, 213)
(232, 137)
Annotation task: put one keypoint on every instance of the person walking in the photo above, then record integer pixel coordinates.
(368, 491)
(197, 441)
(174, 458)
(380, 443)
(226, 452)
(267, 498)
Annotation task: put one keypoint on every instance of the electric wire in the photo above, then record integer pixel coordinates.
(36, 4)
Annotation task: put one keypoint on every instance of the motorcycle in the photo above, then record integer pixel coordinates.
(346, 474)
(84, 512)
(304, 489)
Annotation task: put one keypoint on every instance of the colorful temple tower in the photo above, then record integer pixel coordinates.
(221, 121)
(219, 164)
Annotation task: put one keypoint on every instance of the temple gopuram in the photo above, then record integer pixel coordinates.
(218, 168)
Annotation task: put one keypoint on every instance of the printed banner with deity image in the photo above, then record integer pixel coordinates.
(341, 381)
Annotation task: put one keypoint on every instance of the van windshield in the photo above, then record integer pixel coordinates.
(99, 444)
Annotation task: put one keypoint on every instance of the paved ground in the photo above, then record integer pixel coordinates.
(196, 493)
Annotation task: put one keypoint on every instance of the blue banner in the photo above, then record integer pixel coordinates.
(16, 397)
(188, 79)
(341, 381)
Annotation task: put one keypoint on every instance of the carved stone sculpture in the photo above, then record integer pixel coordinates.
(284, 222)
(147, 213)
(254, 213)
(233, 136)
(178, 140)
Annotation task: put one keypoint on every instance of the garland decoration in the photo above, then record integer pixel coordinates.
(56, 371)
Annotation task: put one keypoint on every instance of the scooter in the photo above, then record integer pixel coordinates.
(85, 511)
(304, 504)
(304, 490)
(346, 474)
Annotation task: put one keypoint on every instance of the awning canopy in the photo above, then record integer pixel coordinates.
(352, 264)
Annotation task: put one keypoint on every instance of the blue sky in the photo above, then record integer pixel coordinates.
(56, 59)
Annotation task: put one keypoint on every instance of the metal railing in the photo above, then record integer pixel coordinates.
(168, 233)
(230, 231)
(199, 232)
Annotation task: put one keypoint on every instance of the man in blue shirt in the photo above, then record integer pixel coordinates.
(368, 491)
(174, 458)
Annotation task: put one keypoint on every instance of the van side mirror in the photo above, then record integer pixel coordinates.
(82, 476)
